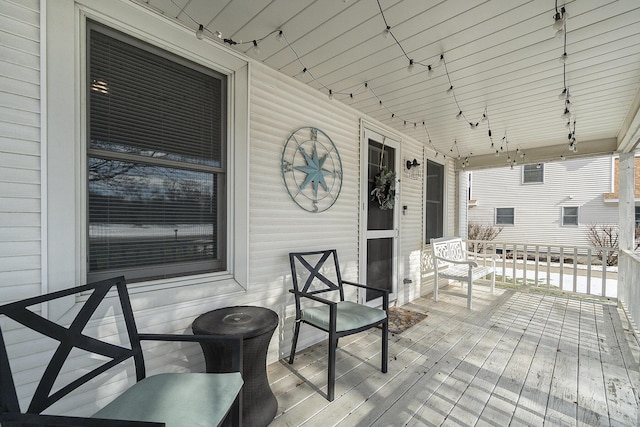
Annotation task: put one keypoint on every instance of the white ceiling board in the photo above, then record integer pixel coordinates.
(501, 55)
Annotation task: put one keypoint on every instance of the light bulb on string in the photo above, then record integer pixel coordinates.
(200, 32)
(563, 58)
(562, 157)
(563, 94)
(566, 113)
(558, 21)
(459, 115)
(497, 153)
(386, 32)
(279, 36)
(450, 89)
(218, 34)
(429, 71)
(256, 48)
(410, 67)
(330, 94)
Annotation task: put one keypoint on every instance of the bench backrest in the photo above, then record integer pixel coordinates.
(448, 248)
(70, 335)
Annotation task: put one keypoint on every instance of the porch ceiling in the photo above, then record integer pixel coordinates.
(501, 55)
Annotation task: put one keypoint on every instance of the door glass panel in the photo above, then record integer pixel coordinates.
(379, 265)
(434, 201)
(378, 219)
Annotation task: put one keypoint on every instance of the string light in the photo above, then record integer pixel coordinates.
(280, 36)
(200, 32)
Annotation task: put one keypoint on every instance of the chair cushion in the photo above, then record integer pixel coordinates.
(187, 399)
(349, 316)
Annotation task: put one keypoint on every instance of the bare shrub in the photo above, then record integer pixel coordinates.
(604, 236)
(477, 231)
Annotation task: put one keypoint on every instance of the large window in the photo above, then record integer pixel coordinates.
(505, 216)
(434, 205)
(569, 215)
(156, 161)
(533, 174)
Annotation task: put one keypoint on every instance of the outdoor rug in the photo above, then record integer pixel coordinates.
(401, 319)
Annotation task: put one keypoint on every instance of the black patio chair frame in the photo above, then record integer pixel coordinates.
(73, 337)
(331, 287)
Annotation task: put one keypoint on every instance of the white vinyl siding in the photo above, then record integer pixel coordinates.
(20, 205)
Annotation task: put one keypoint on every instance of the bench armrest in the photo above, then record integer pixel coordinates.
(451, 261)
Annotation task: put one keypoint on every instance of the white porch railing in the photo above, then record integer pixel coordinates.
(629, 291)
(569, 269)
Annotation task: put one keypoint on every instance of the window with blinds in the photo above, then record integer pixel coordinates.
(533, 174)
(156, 161)
(569, 215)
(505, 216)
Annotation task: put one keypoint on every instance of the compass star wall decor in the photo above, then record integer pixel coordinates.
(311, 169)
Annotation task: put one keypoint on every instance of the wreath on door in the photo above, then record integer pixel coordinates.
(384, 190)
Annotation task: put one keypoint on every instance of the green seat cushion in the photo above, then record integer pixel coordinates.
(188, 399)
(349, 316)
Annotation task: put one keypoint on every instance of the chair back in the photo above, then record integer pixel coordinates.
(71, 334)
(316, 272)
(448, 248)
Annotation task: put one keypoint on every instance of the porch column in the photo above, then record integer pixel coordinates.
(463, 203)
(626, 204)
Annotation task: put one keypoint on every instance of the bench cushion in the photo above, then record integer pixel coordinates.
(177, 399)
(349, 316)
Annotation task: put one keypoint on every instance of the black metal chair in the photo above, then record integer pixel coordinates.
(172, 399)
(319, 273)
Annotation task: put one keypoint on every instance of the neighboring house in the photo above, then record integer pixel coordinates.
(548, 202)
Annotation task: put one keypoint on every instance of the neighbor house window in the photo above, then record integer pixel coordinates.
(156, 161)
(569, 215)
(533, 173)
(505, 216)
(637, 217)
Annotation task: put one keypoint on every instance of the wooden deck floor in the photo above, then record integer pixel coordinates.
(516, 359)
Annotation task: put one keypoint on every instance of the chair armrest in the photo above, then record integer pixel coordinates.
(373, 288)
(384, 292)
(25, 420)
(313, 297)
(235, 343)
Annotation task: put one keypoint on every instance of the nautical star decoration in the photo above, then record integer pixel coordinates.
(311, 169)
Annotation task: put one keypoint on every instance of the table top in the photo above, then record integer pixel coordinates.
(239, 321)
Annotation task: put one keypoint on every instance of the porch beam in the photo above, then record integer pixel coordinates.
(547, 154)
(629, 134)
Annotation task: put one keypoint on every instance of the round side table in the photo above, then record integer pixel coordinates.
(255, 325)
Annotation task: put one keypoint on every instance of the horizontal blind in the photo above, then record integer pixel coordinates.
(155, 164)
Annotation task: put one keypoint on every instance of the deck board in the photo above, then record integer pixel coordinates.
(515, 359)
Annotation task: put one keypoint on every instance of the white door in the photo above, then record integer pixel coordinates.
(379, 216)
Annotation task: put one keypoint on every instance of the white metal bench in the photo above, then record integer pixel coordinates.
(450, 261)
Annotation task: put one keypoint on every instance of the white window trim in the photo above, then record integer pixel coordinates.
(562, 208)
(64, 145)
(495, 216)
